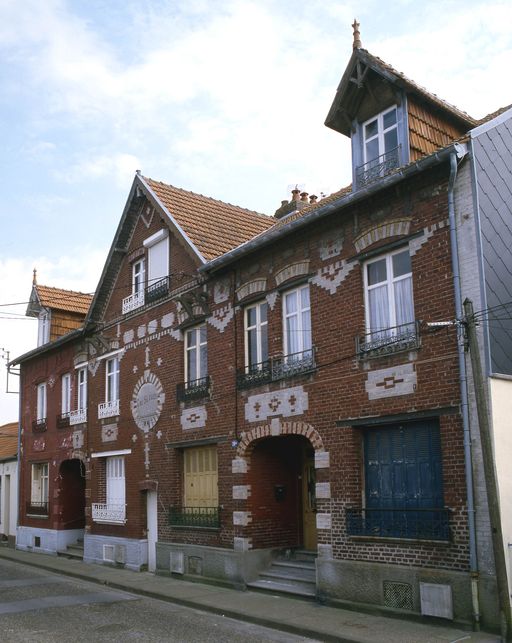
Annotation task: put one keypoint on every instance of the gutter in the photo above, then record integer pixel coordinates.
(268, 237)
(459, 315)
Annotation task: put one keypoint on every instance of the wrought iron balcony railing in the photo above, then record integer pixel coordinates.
(276, 368)
(109, 512)
(193, 389)
(63, 420)
(133, 301)
(37, 508)
(78, 417)
(377, 167)
(419, 524)
(208, 517)
(389, 340)
(39, 425)
(108, 409)
(157, 289)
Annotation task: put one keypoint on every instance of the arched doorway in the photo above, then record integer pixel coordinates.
(282, 501)
(72, 494)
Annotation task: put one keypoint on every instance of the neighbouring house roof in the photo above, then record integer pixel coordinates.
(58, 299)
(213, 226)
(9, 441)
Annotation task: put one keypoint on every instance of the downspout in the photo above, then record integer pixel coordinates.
(473, 560)
(19, 510)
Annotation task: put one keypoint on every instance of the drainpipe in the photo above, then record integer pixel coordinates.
(473, 560)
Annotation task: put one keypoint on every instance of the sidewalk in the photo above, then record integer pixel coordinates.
(303, 618)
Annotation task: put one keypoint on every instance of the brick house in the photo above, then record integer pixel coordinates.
(266, 403)
(8, 482)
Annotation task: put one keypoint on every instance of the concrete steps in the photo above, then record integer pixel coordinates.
(289, 574)
(74, 550)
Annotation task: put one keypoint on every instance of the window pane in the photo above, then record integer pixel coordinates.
(306, 330)
(252, 340)
(379, 308)
(401, 264)
(292, 345)
(191, 338)
(370, 129)
(376, 272)
(263, 312)
(389, 119)
(390, 140)
(304, 298)
(202, 334)
(372, 149)
(291, 303)
(251, 316)
(204, 362)
(264, 343)
(404, 309)
(191, 365)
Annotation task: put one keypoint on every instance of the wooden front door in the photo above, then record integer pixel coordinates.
(309, 501)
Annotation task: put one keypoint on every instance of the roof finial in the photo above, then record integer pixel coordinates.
(34, 278)
(357, 35)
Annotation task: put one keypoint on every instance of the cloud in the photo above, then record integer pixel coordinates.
(120, 166)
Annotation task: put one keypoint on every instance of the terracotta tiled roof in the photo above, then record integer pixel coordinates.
(214, 227)
(313, 206)
(8, 440)
(492, 115)
(421, 90)
(69, 300)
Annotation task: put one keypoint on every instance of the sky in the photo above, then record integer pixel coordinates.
(224, 98)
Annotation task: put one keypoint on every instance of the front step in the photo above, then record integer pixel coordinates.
(74, 550)
(289, 575)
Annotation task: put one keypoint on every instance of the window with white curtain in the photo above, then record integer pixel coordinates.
(82, 389)
(116, 485)
(39, 484)
(256, 335)
(112, 380)
(196, 360)
(297, 321)
(65, 403)
(388, 294)
(138, 276)
(41, 402)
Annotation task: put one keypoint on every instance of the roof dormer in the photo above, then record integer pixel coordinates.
(390, 119)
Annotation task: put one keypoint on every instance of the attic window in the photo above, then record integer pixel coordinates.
(380, 147)
(43, 330)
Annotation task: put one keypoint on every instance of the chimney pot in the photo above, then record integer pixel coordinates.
(313, 198)
(295, 194)
(303, 196)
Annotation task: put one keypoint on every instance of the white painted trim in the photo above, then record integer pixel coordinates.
(155, 238)
(485, 127)
(108, 454)
(110, 354)
(81, 365)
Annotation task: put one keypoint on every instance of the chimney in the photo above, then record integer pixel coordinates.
(298, 201)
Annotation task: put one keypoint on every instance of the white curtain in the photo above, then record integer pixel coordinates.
(379, 311)
(404, 310)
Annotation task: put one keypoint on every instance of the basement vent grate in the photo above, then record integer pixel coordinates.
(397, 595)
(109, 555)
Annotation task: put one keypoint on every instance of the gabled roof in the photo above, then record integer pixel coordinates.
(213, 226)
(349, 95)
(58, 299)
(207, 228)
(8, 441)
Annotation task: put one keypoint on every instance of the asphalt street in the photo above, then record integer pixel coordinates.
(37, 606)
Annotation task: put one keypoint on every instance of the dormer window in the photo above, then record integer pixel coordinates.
(43, 329)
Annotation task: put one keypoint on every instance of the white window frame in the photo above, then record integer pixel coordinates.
(41, 407)
(138, 275)
(380, 132)
(197, 348)
(258, 328)
(43, 328)
(39, 483)
(81, 377)
(390, 283)
(301, 336)
(65, 400)
(112, 380)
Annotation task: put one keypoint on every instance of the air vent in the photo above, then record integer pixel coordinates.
(436, 600)
(397, 595)
(177, 562)
(109, 553)
(120, 553)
